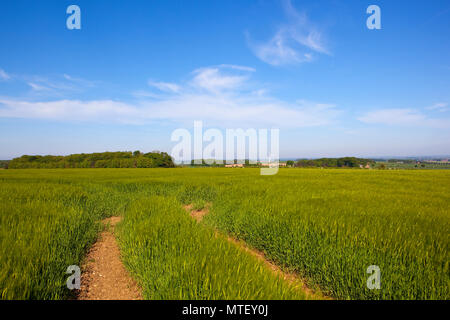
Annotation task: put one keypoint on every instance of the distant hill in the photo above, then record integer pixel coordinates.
(126, 159)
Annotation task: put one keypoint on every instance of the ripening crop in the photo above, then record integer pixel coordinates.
(326, 225)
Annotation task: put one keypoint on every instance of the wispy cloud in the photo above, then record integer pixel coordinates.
(4, 75)
(164, 86)
(277, 51)
(217, 96)
(232, 112)
(440, 106)
(50, 86)
(79, 81)
(214, 80)
(144, 94)
(38, 87)
(304, 31)
(55, 86)
(293, 43)
(236, 67)
(65, 109)
(404, 117)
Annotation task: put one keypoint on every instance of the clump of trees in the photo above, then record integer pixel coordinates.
(127, 159)
(4, 164)
(346, 162)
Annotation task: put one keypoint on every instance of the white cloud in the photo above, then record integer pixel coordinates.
(440, 106)
(236, 67)
(403, 117)
(277, 51)
(229, 112)
(142, 94)
(259, 92)
(56, 86)
(212, 80)
(164, 86)
(79, 81)
(4, 75)
(304, 31)
(293, 43)
(66, 109)
(37, 87)
(218, 98)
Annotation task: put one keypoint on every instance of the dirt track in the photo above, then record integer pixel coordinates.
(104, 277)
(293, 279)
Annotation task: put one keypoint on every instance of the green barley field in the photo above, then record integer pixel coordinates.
(326, 225)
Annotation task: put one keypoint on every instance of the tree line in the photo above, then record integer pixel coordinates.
(126, 159)
(4, 164)
(346, 162)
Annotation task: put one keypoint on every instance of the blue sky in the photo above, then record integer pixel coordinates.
(137, 70)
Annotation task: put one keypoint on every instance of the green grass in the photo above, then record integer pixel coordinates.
(44, 229)
(327, 225)
(173, 257)
(330, 226)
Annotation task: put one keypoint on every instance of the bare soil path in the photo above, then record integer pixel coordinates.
(292, 278)
(103, 276)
